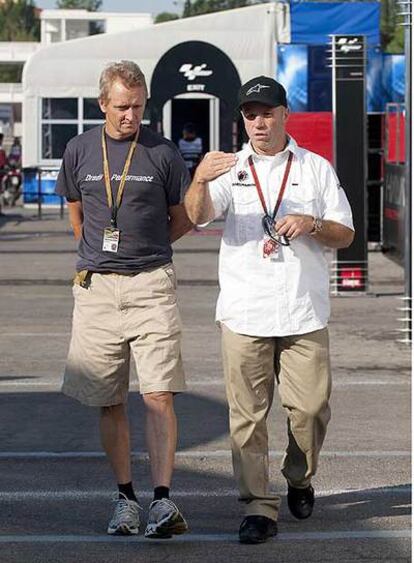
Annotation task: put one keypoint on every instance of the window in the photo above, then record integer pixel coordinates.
(59, 108)
(55, 139)
(91, 109)
(62, 119)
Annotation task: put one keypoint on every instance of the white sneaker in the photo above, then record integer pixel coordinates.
(164, 520)
(125, 519)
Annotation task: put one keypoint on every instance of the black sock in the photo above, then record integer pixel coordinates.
(127, 490)
(161, 492)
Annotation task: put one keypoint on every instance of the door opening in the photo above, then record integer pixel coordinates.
(202, 111)
(191, 111)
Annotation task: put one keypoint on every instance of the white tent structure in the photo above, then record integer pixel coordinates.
(60, 81)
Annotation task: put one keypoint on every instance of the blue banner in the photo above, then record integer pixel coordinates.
(313, 22)
(305, 73)
(292, 72)
(394, 78)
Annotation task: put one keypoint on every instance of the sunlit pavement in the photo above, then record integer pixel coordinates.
(56, 486)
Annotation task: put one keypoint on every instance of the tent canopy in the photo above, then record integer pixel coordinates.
(247, 35)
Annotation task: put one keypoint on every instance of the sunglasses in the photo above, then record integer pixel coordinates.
(269, 229)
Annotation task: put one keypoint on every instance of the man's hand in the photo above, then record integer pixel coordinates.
(197, 199)
(293, 226)
(213, 165)
(332, 234)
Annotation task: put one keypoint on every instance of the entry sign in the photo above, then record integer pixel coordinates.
(350, 149)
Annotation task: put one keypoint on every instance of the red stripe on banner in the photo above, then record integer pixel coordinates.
(313, 131)
(392, 214)
(396, 138)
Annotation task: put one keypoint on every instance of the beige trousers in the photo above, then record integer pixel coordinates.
(300, 365)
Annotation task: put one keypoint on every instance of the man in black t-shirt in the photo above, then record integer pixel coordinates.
(124, 186)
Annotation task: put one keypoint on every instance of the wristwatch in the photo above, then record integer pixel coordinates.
(316, 227)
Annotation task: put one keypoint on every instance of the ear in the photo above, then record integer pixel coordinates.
(286, 114)
(102, 104)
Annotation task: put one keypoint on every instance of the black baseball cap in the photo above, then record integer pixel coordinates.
(262, 90)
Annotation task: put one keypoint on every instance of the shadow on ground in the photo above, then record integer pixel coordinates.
(53, 422)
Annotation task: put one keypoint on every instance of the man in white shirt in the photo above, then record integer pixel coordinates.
(283, 205)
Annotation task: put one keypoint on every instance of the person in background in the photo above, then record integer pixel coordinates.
(190, 147)
(15, 154)
(3, 156)
(3, 164)
(283, 205)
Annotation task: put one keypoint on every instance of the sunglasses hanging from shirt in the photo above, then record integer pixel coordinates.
(271, 240)
(112, 234)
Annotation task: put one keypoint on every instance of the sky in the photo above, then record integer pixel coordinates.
(152, 6)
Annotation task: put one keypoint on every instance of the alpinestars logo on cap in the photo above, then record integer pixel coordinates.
(256, 88)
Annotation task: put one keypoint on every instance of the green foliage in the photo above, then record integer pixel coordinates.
(396, 44)
(392, 34)
(18, 21)
(11, 73)
(198, 7)
(165, 17)
(90, 5)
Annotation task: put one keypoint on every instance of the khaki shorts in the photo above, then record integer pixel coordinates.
(116, 315)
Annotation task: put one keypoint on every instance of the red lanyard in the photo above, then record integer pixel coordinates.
(282, 187)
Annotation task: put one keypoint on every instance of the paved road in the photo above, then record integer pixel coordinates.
(55, 484)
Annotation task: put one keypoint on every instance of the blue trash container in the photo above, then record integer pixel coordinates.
(47, 186)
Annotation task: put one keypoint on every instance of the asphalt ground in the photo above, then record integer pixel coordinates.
(56, 485)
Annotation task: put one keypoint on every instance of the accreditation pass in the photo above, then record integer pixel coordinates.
(111, 240)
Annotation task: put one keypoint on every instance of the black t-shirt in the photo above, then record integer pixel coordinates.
(156, 180)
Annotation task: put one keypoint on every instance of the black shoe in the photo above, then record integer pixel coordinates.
(257, 529)
(301, 501)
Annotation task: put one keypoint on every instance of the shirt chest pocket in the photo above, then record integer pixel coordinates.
(245, 200)
(301, 204)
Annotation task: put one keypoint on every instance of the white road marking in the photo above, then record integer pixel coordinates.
(52, 385)
(192, 454)
(82, 495)
(204, 538)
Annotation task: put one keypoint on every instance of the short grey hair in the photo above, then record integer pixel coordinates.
(127, 72)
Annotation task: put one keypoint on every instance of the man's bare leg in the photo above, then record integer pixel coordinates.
(165, 519)
(115, 440)
(161, 434)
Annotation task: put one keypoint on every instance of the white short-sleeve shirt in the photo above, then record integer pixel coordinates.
(287, 294)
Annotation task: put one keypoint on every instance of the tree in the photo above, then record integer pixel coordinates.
(11, 73)
(90, 5)
(18, 21)
(392, 34)
(198, 7)
(165, 17)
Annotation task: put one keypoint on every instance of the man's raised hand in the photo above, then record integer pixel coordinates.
(213, 165)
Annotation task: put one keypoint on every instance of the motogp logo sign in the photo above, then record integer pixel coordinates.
(348, 44)
(191, 72)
